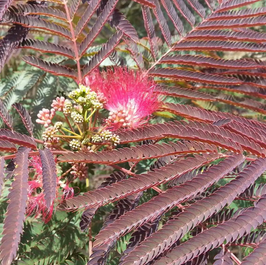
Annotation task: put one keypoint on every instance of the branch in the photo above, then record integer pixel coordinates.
(74, 40)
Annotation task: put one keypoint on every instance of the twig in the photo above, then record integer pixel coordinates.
(74, 40)
(35, 153)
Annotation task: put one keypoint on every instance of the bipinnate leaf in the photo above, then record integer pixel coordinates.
(201, 132)
(246, 103)
(253, 193)
(207, 61)
(11, 41)
(25, 117)
(227, 5)
(28, 9)
(17, 138)
(2, 173)
(137, 153)
(239, 13)
(4, 5)
(113, 178)
(246, 131)
(258, 256)
(193, 76)
(165, 201)
(223, 258)
(86, 218)
(89, 11)
(137, 183)
(192, 113)
(15, 215)
(248, 143)
(47, 47)
(149, 26)
(222, 35)
(197, 213)
(198, 114)
(49, 176)
(251, 239)
(214, 45)
(107, 48)
(209, 239)
(119, 21)
(142, 233)
(7, 146)
(38, 23)
(184, 93)
(230, 230)
(162, 22)
(49, 67)
(230, 23)
(169, 7)
(101, 20)
(4, 114)
(89, 212)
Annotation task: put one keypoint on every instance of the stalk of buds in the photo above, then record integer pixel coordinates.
(79, 118)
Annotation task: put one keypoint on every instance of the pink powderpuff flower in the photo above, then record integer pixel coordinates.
(129, 96)
(58, 103)
(36, 202)
(45, 117)
(33, 185)
(35, 162)
(36, 205)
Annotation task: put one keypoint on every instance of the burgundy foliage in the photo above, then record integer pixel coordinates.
(176, 162)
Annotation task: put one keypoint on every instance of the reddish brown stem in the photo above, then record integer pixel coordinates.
(157, 189)
(124, 170)
(38, 141)
(74, 40)
(234, 258)
(35, 153)
(133, 174)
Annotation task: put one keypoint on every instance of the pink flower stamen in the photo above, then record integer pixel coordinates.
(128, 96)
(45, 117)
(58, 103)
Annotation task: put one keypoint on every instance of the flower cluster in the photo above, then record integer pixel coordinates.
(78, 129)
(128, 96)
(86, 97)
(36, 203)
(104, 136)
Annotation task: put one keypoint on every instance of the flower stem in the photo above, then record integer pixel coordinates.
(36, 153)
(66, 130)
(87, 119)
(67, 120)
(95, 118)
(69, 136)
(79, 129)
